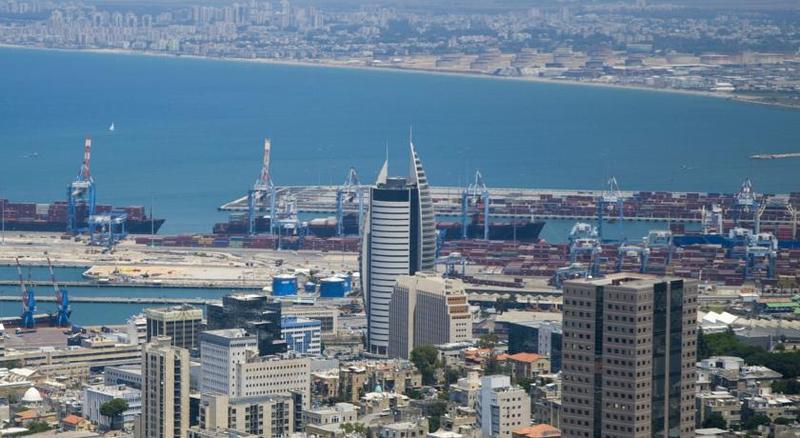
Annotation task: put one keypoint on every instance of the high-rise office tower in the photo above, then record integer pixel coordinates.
(427, 309)
(399, 239)
(629, 353)
(257, 314)
(165, 390)
(180, 323)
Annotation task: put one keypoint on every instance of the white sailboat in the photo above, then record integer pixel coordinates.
(111, 128)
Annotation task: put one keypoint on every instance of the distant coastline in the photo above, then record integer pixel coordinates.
(414, 70)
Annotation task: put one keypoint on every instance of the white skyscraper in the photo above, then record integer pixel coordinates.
(399, 239)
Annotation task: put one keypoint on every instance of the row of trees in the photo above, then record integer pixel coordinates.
(726, 344)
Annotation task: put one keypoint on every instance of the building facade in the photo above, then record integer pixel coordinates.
(165, 390)
(264, 416)
(302, 335)
(94, 397)
(629, 354)
(399, 239)
(258, 314)
(427, 309)
(220, 351)
(501, 408)
(182, 324)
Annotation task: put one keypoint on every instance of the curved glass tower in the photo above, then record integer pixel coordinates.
(399, 239)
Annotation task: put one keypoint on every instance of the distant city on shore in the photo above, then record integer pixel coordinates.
(740, 53)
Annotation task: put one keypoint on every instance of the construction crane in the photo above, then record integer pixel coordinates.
(350, 191)
(62, 300)
(81, 191)
(611, 196)
(28, 302)
(262, 189)
(477, 191)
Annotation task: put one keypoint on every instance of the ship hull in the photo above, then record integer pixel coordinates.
(525, 232)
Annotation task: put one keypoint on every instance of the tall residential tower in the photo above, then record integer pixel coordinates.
(399, 239)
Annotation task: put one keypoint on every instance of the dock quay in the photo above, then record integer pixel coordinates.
(203, 285)
(118, 300)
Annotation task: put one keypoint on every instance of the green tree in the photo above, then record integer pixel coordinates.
(788, 386)
(526, 383)
(426, 359)
(488, 340)
(435, 410)
(715, 420)
(36, 427)
(451, 375)
(754, 421)
(113, 409)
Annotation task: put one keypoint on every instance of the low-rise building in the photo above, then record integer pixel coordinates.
(95, 396)
(718, 402)
(501, 407)
(404, 429)
(526, 365)
(336, 414)
(265, 416)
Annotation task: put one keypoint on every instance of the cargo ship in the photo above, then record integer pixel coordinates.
(524, 230)
(25, 216)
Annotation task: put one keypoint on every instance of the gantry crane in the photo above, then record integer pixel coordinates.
(642, 253)
(350, 191)
(63, 310)
(81, 191)
(660, 239)
(28, 302)
(477, 191)
(746, 201)
(584, 239)
(611, 196)
(261, 190)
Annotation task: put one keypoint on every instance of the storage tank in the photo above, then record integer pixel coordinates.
(348, 282)
(310, 287)
(332, 287)
(284, 284)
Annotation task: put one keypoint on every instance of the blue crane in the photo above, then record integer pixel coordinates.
(81, 192)
(350, 191)
(762, 253)
(262, 189)
(613, 197)
(62, 300)
(478, 191)
(28, 302)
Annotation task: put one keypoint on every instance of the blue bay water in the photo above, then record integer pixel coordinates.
(189, 132)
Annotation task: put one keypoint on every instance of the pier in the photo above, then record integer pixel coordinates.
(175, 285)
(118, 300)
